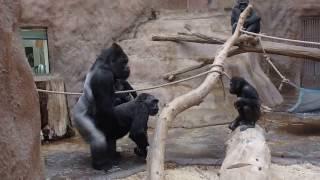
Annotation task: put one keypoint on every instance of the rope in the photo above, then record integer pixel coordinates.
(268, 59)
(59, 92)
(147, 88)
(281, 39)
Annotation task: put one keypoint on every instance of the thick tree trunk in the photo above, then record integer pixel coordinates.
(178, 105)
(248, 156)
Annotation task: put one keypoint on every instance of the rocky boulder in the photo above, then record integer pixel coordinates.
(19, 106)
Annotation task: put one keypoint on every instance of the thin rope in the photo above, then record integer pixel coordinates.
(148, 88)
(268, 59)
(58, 92)
(281, 39)
(175, 82)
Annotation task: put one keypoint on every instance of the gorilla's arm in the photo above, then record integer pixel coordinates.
(249, 96)
(235, 15)
(253, 18)
(85, 124)
(246, 102)
(138, 133)
(127, 86)
(103, 91)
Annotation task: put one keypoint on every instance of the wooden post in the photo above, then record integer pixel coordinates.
(178, 105)
(248, 156)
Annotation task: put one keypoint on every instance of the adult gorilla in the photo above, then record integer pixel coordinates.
(94, 112)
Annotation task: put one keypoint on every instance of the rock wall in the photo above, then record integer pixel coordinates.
(78, 30)
(20, 116)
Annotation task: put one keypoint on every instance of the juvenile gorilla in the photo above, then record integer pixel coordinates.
(133, 117)
(123, 85)
(251, 24)
(94, 114)
(247, 104)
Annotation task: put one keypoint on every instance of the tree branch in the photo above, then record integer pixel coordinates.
(180, 104)
(205, 61)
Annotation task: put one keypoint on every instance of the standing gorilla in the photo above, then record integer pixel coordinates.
(123, 85)
(100, 122)
(94, 112)
(247, 104)
(251, 24)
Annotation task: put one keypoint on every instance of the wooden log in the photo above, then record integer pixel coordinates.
(54, 108)
(270, 47)
(170, 111)
(185, 39)
(171, 75)
(247, 157)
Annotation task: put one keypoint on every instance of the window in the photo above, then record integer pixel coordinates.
(311, 70)
(35, 43)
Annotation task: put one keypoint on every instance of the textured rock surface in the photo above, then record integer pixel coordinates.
(78, 30)
(283, 19)
(19, 107)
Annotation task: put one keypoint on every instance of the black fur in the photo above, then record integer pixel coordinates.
(247, 104)
(123, 85)
(133, 117)
(251, 24)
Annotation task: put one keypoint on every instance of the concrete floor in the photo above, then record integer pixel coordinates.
(293, 140)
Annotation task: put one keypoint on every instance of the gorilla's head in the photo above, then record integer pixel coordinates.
(119, 62)
(150, 101)
(242, 4)
(115, 58)
(236, 85)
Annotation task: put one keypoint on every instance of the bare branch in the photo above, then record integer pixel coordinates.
(180, 104)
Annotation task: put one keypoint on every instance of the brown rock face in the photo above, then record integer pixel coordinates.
(78, 30)
(19, 107)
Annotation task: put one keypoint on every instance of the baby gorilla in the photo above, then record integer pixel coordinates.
(123, 85)
(247, 104)
(133, 117)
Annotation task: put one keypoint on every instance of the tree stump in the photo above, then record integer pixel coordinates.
(55, 119)
(248, 156)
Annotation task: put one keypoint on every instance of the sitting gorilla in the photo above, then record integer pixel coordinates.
(251, 24)
(247, 104)
(122, 85)
(94, 114)
(133, 117)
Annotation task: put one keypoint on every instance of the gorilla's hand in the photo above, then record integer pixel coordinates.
(239, 103)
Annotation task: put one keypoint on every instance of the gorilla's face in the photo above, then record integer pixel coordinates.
(243, 6)
(150, 101)
(120, 68)
(119, 62)
(153, 107)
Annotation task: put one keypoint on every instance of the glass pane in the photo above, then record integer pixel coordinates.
(36, 48)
